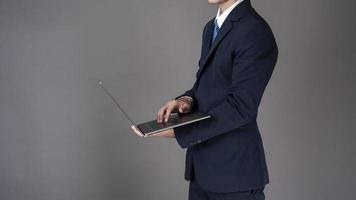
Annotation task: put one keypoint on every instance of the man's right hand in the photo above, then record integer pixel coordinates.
(182, 105)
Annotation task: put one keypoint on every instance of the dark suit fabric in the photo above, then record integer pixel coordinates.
(198, 193)
(225, 153)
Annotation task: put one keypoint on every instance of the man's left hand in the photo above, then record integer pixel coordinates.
(167, 133)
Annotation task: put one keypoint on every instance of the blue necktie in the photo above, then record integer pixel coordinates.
(216, 29)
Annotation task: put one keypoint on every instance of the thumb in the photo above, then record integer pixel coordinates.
(181, 110)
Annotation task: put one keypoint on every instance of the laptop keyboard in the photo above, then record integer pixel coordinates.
(152, 126)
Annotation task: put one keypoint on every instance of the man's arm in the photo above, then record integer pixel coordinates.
(251, 72)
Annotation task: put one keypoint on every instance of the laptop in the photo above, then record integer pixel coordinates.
(150, 128)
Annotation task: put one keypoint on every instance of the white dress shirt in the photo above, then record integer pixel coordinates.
(220, 17)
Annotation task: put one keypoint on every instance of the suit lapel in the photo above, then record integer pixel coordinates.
(207, 40)
(224, 30)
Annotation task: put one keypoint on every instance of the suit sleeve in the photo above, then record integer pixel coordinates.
(251, 71)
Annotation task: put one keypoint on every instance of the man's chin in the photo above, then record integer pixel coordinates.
(217, 2)
(212, 2)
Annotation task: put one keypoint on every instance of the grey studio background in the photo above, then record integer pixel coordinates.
(61, 138)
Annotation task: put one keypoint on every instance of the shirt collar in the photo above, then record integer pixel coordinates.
(220, 18)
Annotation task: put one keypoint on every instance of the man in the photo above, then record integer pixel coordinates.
(225, 156)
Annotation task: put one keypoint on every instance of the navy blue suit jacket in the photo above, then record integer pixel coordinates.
(225, 153)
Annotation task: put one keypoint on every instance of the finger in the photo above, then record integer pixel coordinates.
(161, 113)
(168, 113)
(184, 108)
(157, 134)
(187, 108)
(160, 134)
